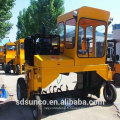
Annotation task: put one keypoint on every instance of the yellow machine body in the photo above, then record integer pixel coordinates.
(113, 60)
(1, 54)
(9, 54)
(116, 69)
(48, 67)
(19, 58)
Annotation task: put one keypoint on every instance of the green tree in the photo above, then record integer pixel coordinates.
(30, 21)
(5, 15)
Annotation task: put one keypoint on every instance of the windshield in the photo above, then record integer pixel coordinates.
(110, 51)
(113, 54)
(48, 41)
(70, 33)
(91, 38)
(11, 47)
(61, 31)
(47, 45)
(22, 45)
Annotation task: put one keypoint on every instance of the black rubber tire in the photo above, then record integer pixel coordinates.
(7, 69)
(2, 66)
(14, 69)
(38, 109)
(17, 70)
(117, 80)
(21, 89)
(110, 93)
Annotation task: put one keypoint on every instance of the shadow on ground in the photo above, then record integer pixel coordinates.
(52, 110)
(11, 111)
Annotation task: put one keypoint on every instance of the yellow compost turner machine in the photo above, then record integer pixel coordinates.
(83, 34)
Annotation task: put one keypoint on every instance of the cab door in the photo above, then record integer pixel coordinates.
(91, 36)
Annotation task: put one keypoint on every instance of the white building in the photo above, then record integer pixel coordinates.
(116, 31)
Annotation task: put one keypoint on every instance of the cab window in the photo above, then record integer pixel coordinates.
(61, 31)
(89, 34)
(100, 38)
(22, 46)
(11, 47)
(80, 38)
(70, 33)
(91, 38)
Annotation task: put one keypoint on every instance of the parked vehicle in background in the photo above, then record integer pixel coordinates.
(10, 52)
(113, 59)
(2, 56)
(19, 58)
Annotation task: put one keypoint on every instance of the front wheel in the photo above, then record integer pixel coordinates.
(7, 69)
(37, 109)
(21, 89)
(17, 70)
(109, 93)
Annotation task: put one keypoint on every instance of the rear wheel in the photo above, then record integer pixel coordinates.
(14, 69)
(17, 70)
(2, 66)
(109, 93)
(21, 89)
(7, 69)
(37, 109)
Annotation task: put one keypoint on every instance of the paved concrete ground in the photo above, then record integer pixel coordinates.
(10, 111)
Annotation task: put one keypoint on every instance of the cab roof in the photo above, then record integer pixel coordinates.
(87, 12)
(10, 43)
(20, 40)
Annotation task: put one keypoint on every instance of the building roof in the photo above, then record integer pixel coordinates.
(116, 26)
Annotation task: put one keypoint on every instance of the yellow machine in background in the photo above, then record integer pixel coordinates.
(83, 35)
(10, 52)
(19, 58)
(2, 56)
(113, 59)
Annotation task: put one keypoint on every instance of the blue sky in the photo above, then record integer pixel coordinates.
(111, 5)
